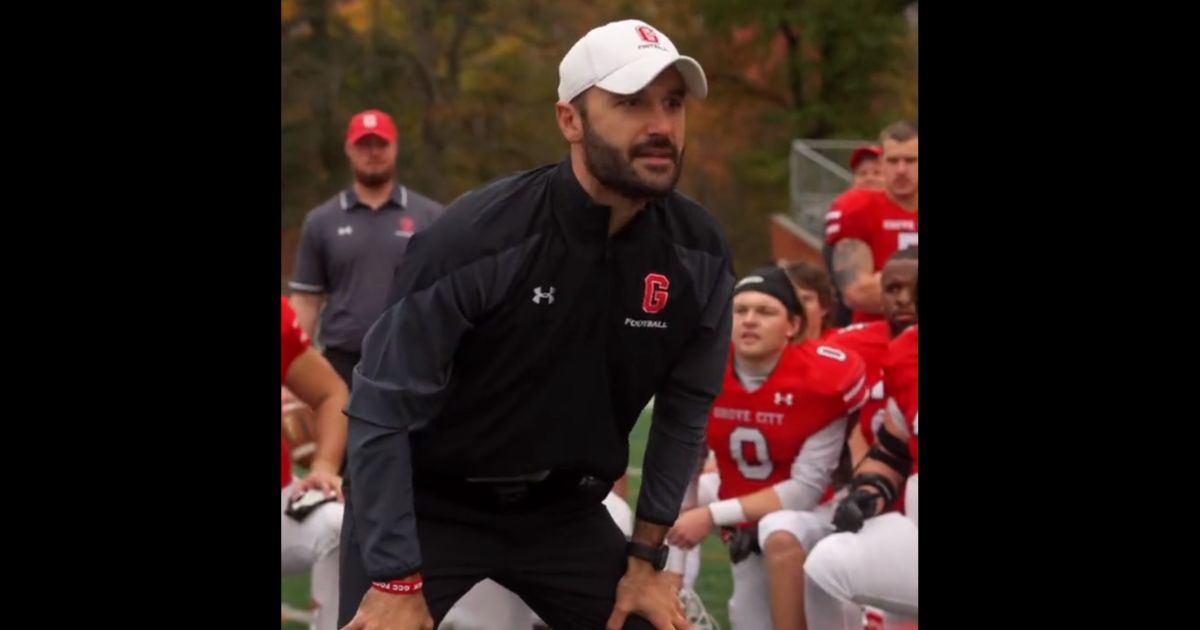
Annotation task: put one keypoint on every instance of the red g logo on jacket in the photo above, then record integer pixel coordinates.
(655, 297)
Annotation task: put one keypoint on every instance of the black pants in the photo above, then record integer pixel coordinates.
(563, 559)
(343, 363)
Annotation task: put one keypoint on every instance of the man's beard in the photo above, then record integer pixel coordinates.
(614, 169)
(373, 180)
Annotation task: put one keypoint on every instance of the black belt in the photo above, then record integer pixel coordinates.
(514, 494)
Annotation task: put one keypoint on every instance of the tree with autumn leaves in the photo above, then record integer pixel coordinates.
(472, 86)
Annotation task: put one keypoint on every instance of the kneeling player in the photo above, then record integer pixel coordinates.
(872, 561)
(783, 551)
(310, 529)
(777, 430)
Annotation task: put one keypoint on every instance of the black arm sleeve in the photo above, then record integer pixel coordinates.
(681, 407)
(399, 387)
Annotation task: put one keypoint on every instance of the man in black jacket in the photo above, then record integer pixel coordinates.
(492, 408)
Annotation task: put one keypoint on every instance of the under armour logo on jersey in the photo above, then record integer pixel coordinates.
(784, 399)
(345, 230)
(539, 295)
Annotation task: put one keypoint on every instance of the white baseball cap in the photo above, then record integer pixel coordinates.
(622, 58)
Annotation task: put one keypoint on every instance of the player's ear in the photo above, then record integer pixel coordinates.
(796, 327)
(570, 121)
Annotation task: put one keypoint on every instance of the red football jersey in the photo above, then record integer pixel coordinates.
(900, 382)
(870, 340)
(875, 218)
(292, 342)
(756, 436)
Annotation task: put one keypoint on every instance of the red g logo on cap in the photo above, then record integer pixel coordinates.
(655, 297)
(647, 34)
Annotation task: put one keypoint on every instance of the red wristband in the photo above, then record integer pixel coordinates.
(400, 587)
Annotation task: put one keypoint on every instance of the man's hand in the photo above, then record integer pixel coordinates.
(328, 482)
(308, 308)
(387, 611)
(691, 527)
(860, 505)
(648, 593)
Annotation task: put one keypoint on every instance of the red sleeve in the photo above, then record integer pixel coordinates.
(292, 339)
(844, 374)
(861, 338)
(846, 217)
(870, 341)
(900, 373)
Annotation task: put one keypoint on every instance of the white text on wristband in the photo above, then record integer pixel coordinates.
(400, 587)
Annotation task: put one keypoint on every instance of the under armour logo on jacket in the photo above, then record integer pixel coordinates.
(783, 399)
(345, 230)
(539, 295)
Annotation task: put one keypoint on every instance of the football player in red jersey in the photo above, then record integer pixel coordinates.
(815, 291)
(870, 340)
(783, 551)
(900, 379)
(310, 535)
(872, 561)
(777, 430)
(865, 227)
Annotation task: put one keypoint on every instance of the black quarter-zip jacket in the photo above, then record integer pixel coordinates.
(522, 338)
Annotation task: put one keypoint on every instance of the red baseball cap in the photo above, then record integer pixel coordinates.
(862, 152)
(371, 122)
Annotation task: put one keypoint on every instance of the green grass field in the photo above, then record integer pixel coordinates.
(714, 583)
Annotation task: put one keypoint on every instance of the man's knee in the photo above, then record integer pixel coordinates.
(327, 523)
(782, 544)
(830, 562)
(775, 530)
(789, 527)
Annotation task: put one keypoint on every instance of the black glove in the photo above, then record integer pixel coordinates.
(742, 542)
(858, 506)
(861, 503)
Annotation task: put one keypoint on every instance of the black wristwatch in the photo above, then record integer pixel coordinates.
(656, 556)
